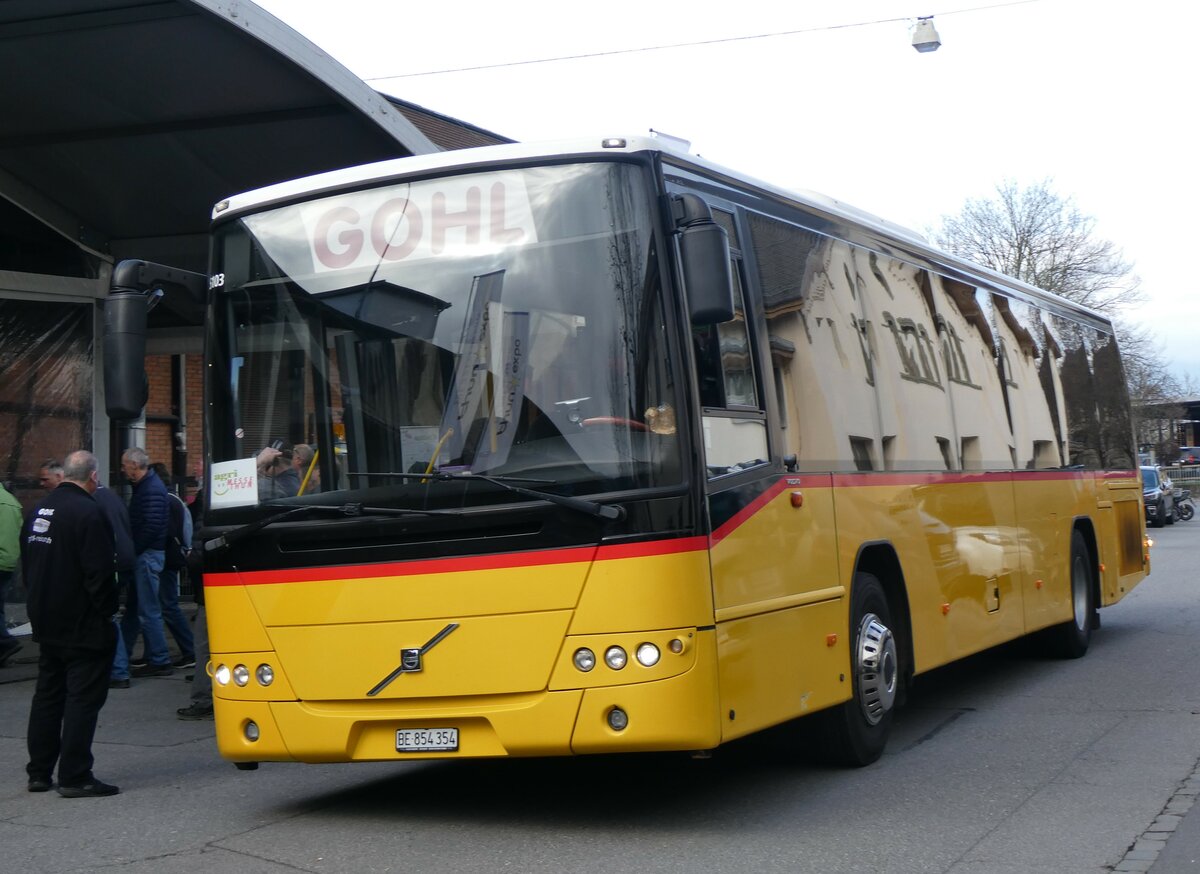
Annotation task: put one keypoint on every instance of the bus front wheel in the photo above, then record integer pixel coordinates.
(856, 732)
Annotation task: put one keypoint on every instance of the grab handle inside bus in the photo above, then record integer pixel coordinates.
(704, 256)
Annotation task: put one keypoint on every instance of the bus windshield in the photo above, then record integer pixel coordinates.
(502, 323)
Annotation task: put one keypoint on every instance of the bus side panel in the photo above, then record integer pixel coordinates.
(1049, 504)
(780, 607)
(777, 666)
(1124, 558)
(957, 542)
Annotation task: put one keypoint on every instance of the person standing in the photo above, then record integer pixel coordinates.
(69, 565)
(179, 543)
(10, 536)
(149, 515)
(200, 704)
(117, 513)
(200, 696)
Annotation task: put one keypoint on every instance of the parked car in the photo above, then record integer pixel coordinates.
(1158, 494)
(1189, 454)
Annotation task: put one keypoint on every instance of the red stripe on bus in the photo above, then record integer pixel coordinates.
(744, 514)
(498, 561)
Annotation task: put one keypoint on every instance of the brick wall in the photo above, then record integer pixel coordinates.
(160, 435)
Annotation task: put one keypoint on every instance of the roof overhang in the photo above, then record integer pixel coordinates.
(126, 120)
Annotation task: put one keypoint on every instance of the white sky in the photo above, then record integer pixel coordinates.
(1095, 95)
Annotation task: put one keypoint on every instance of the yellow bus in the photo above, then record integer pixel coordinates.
(600, 447)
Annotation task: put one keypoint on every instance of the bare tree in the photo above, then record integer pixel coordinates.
(1040, 237)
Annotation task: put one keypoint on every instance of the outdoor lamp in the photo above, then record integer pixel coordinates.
(925, 36)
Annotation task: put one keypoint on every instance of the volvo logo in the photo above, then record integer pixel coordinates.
(410, 660)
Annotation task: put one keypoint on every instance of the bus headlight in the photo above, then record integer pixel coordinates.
(584, 659)
(265, 675)
(647, 655)
(615, 657)
(222, 675)
(241, 675)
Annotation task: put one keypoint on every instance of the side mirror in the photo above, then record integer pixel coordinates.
(125, 387)
(704, 255)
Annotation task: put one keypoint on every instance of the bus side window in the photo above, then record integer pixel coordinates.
(734, 420)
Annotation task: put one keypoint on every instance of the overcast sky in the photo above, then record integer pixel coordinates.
(1095, 95)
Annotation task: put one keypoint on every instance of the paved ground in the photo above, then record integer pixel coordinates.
(223, 826)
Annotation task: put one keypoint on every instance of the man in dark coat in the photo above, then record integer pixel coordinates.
(68, 557)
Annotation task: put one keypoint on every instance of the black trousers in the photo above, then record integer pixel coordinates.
(72, 686)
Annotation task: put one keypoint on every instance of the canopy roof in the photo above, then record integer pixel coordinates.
(126, 120)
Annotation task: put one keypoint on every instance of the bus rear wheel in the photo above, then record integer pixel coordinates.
(856, 732)
(1070, 640)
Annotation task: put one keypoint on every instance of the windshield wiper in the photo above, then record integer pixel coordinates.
(350, 510)
(612, 512)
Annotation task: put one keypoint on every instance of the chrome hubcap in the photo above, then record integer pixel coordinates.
(876, 666)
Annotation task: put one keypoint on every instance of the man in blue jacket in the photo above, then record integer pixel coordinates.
(68, 563)
(149, 516)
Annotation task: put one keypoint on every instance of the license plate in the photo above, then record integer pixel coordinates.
(427, 740)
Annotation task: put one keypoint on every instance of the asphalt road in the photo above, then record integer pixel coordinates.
(1006, 763)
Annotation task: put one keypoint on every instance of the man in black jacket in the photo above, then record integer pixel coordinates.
(68, 557)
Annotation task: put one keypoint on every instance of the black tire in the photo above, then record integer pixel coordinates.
(1157, 521)
(1186, 511)
(1070, 640)
(856, 732)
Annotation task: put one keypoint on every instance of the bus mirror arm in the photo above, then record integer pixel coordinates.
(146, 276)
(704, 258)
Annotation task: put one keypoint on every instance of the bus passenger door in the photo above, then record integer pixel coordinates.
(779, 611)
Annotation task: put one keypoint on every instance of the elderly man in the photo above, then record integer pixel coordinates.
(149, 516)
(67, 556)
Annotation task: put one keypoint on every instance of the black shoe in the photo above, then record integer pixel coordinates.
(195, 711)
(36, 784)
(153, 671)
(94, 789)
(119, 684)
(138, 663)
(9, 649)
(186, 661)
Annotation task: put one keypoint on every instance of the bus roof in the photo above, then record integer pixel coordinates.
(676, 153)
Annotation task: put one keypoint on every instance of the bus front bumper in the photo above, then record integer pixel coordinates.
(678, 713)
